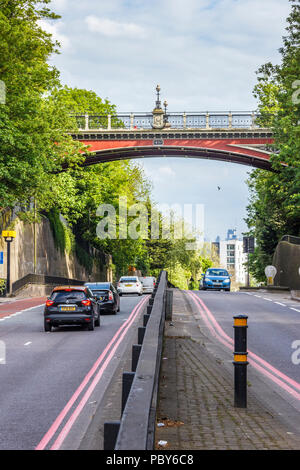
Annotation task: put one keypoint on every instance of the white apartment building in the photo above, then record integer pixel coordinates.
(233, 258)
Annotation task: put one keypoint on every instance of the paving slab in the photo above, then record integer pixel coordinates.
(196, 396)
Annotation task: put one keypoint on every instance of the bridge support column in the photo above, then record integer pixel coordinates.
(131, 121)
(86, 118)
(207, 121)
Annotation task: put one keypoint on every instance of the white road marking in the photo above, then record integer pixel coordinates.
(28, 343)
(279, 303)
(266, 298)
(259, 296)
(20, 312)
(296, 310)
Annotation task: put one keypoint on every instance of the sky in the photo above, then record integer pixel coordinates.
(203, 53)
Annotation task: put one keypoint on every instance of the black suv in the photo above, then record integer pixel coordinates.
(106, 294)
(71, 305)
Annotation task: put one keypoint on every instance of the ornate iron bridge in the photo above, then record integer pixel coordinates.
(226, 136)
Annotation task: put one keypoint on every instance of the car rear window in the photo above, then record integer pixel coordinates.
(216, 272)
(148, 281)
(96, 287)
(62, 296)
(129, 279)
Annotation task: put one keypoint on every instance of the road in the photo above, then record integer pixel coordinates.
(48, 380)
(273, 331)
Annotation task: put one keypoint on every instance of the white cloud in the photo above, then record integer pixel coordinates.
(55, 30)
(112, 28)
(59, 5)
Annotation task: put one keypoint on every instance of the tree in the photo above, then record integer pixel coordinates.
(274, 208)
(33, 143)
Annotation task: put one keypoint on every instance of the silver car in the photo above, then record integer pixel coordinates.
(129, 285)
(148, 284)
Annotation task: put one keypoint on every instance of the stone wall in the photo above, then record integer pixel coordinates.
(49, 260)
(286, 259)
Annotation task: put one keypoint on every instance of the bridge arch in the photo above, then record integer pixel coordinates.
(250, 158)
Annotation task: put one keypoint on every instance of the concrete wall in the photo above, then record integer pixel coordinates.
(49, 260)
(286, 259)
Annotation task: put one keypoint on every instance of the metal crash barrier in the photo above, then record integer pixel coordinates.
(135, 430)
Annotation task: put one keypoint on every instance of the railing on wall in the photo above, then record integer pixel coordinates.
(43, 279)
(291, 239)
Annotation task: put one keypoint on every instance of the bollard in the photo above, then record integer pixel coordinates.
(240, 361)
(149, 309)
(111, 430)
(145, 319)
(169, 304)
(126, 386)
(141, 334)
(136, 350)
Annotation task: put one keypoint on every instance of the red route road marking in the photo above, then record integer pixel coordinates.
(109, 348)
(252, 358)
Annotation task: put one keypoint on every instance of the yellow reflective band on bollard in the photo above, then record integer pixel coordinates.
(240, 357)
(240, 322)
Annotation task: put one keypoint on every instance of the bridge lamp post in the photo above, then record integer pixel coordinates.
(157, 105)
(166, 116)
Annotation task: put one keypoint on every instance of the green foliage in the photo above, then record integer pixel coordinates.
(274, 208)
(84, 258)
(63, 236)
(32, 138)
(2, 286)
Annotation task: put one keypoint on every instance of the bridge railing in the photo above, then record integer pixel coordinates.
(181, 120)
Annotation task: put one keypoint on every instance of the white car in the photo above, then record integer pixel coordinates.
(130, 285)
(148, 284)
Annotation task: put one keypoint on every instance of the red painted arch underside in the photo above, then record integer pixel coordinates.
(227, 145)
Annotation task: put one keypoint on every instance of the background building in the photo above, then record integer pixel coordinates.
(232, 257)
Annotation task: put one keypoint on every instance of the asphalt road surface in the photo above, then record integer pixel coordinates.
(273, 325)
(48, 379)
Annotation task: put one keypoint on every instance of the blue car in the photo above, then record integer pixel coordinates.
(216, 278)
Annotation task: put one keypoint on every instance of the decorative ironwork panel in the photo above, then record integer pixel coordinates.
(144, 121)
(241, 121)
(121, 120)
(196, 121)
(176, 120)
(98, 122)
(80, 121)
(219, 121)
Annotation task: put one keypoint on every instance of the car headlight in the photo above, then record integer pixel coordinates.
(226, 281)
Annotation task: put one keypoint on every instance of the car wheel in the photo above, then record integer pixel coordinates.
(118, 307)
(47, 326)
(91, 325)
(97, 321)
(228, 290)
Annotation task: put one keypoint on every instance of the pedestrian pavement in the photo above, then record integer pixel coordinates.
(11, 306)
(195, 404)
